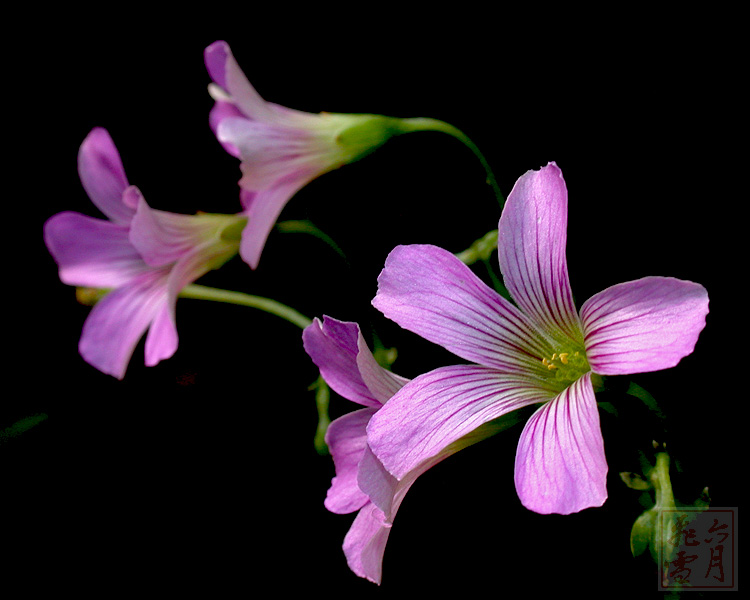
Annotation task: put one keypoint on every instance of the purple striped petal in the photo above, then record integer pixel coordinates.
(334, 346)
(118, 321)
(224, 110)
(531, 250)
(163, 237)
(91, 252)
(270, 152)
(438, 408)
(347, 440)
(428, 291)
(226, 73)
(102, 175)
(364, 544)
(263, 208)
(162, 338)
(161, 342)
(346, 363)
(560, 462)
(644, 325)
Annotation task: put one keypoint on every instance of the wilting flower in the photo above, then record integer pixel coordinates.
(540, 351)
(361, 484)
(142, 257)
(281, 149)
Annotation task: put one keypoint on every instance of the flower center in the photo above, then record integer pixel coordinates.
(567, 367)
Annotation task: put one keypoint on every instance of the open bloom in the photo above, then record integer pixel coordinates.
(143, 257)
(281, 149)
(361, 483)
(540, 351)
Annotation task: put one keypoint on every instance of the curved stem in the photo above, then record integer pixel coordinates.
(201, 292)
(427, 124)
(644, 396)
(322, 392)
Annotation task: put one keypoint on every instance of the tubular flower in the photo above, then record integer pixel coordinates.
(281, 149)
(142, 257)
(361, 483)
(540, 350)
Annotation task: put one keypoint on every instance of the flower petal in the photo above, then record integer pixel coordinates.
(643, 325)
(118, 321)
(347, 440)
(225, 72)
(364, 544)
(196, 261)
(427, 290)
(531, 250)
(439, 408)
(262, 210)
(346, 363)
(91, 252)
(270, 152)
(162, 339)
(102, 175)
(560, 462)
(220, 111)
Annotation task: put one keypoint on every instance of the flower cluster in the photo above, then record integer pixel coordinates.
(533, 348)
(538, 351)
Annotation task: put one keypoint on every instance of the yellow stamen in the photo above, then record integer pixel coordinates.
(564, 358)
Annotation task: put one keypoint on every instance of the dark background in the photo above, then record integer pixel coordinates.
(199, 475)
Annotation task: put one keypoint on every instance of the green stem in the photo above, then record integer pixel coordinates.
(427, 124)
(322, 400)
(644, 396)
(322, 391)
(304, 226)
(201, 292)
(662, 482)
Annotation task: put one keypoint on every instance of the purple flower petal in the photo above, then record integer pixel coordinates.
(162, 237)
(347, 439)
(118, 321)
(340, 352)
(162, 339)
(560, 462)
(438, 408)
(270, 152)
(364, 544)
(263, 208)
(531, 250)
(226, 73)
(643, 325)
(427, 290)
(220, 111)
(102, 175)
(91, 252)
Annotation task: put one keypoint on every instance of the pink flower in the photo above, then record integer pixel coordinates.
(542, 351)
(144, 257)
(281, 149)
(361, 483)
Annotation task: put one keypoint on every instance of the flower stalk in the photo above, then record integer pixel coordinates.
(428, 124)
(202, 292)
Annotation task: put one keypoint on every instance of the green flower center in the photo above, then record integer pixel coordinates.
(563, 368)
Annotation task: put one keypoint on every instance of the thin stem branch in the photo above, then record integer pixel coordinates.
(201, 292)
(427, 124)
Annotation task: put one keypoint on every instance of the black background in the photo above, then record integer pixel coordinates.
(199, 475)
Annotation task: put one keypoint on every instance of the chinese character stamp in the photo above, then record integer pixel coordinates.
(700, 551)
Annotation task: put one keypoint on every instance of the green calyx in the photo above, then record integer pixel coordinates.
(232, 232)
(359, 135)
